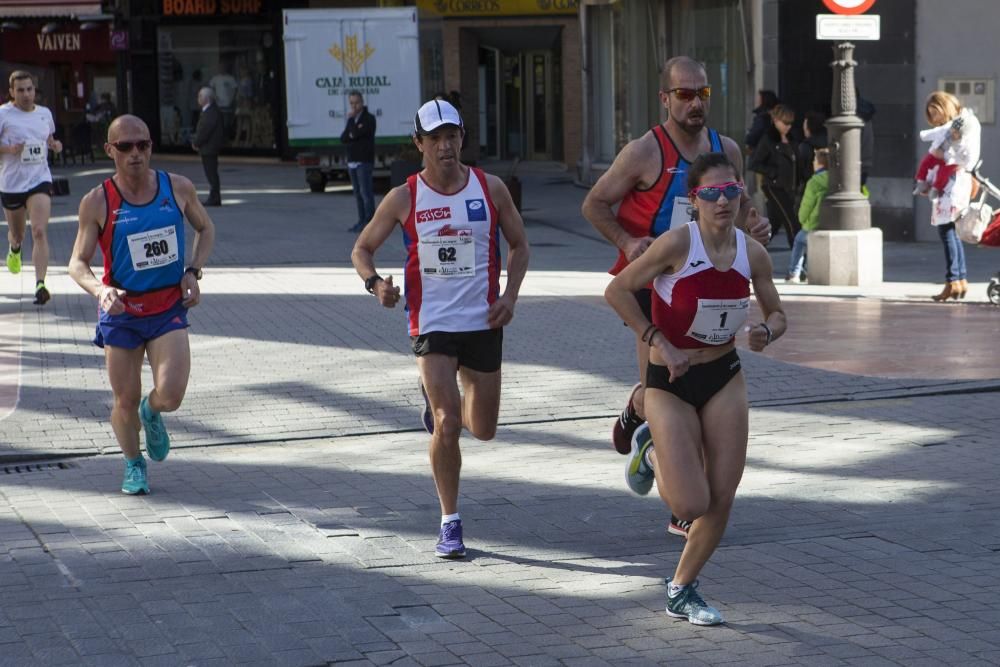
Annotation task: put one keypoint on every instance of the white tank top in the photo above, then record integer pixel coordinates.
(30, 167)
(452, 272)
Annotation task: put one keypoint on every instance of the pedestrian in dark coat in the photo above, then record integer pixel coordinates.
(209, 137)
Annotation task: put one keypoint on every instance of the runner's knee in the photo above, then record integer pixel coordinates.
(127, 402)
(483, 431)
(38, 234)
(448, 425)
(689, 508)
(168, 400)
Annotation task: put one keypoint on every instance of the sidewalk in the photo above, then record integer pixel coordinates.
(295, 518)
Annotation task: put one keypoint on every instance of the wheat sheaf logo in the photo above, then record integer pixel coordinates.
(350, 56)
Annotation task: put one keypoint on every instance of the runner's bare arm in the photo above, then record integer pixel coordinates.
(749, 218)
(91, 212)
(392, 211)
(512, 226)
(54, 144)
(667, 251)
(204, 236)
(198, 218)
(625, 174)
(761, 274)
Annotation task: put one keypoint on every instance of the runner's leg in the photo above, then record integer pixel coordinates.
(170, 359)
(437, 371)
(39, 209)
(125, 374)
(725, 428)
(480, 402)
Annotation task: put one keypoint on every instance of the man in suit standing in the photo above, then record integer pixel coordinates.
(208, 139)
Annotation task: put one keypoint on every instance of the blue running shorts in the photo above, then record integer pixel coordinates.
(127, 330)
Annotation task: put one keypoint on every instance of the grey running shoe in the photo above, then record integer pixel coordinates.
(688, 604)
(638, 475)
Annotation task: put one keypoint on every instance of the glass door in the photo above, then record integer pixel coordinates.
(538, 104)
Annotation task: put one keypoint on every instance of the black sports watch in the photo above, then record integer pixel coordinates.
(194, 272)
(370, 283)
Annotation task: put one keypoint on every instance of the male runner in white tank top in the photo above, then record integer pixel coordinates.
(26, 137)
(450, 215)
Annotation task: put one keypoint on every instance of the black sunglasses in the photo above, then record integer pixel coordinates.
(127, 146)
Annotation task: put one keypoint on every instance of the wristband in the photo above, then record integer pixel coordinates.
(370, 283)
(770, 334)
(645, 334)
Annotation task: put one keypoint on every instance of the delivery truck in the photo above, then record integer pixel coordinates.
(331, 52)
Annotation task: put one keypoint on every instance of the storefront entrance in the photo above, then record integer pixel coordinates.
(519, 97)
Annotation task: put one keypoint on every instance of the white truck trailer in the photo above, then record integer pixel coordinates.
(329, 53)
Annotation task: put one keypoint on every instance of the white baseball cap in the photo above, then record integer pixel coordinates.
(434, 114)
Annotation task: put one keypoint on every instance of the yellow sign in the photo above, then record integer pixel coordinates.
(499, 7)
(351, 57)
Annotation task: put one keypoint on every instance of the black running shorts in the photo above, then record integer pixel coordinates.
(700, 383)
(477, 350)
(15, 200)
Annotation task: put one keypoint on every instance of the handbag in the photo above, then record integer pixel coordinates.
(974, 220)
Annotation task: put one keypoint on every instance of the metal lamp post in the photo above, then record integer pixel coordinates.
(844, 207)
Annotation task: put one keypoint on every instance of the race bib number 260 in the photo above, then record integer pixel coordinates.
(153, 249)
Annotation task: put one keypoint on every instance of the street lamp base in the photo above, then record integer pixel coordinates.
(845, 257)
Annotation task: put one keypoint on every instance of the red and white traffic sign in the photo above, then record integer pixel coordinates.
(849, 6)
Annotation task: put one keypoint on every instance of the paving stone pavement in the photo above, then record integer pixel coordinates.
(865, 530)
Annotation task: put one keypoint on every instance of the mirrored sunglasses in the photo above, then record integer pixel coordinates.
(711, 193)
(127, 146)
(688, 94)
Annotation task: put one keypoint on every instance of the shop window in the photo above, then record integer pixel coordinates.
(234, 61)
(712, 32)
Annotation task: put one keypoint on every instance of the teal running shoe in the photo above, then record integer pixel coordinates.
(13, 261)
(135, 481)
(157, 440)
(638, 475)
(688, 604)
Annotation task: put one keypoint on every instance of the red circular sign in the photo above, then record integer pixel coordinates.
(848, 6)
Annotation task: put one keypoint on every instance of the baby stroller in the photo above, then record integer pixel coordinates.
(991, 235)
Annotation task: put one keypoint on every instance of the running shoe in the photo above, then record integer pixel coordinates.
(42, 295)
(688, 604)
(678, 526)
(638, 474)
(157, 440)
(13, 261)
(625, 425)
(135, 481)
(450, 544)
(427, 416)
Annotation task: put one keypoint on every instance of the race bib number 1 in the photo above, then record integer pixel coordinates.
(153, 249)
(34, 154)
(718, 320)
(448, 256)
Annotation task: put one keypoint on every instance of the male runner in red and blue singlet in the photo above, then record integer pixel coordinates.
(137, 217)
(649, 180)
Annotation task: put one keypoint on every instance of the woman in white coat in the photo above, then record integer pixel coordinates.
(944, 108)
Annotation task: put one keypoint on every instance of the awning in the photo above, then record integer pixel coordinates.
(20, 8)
